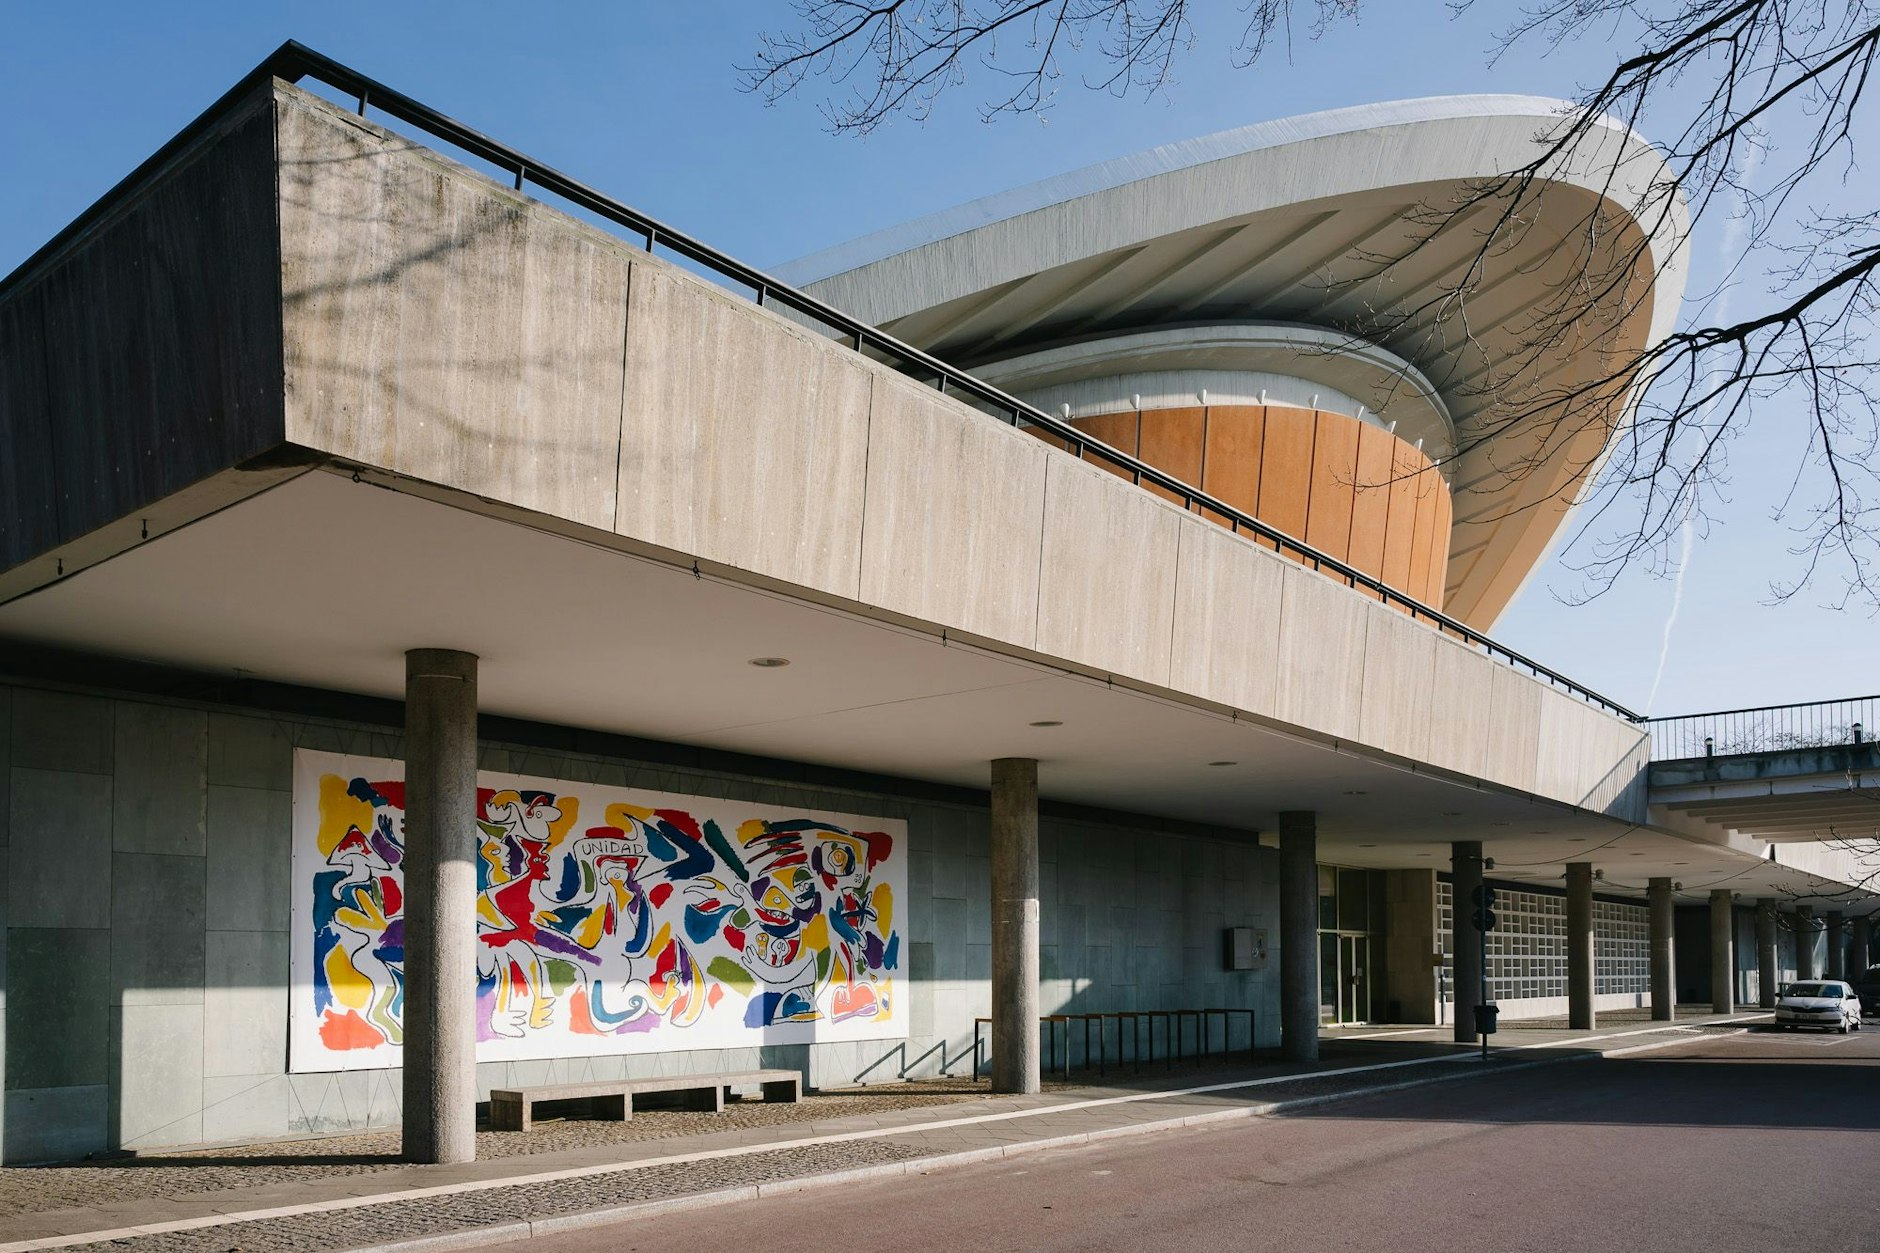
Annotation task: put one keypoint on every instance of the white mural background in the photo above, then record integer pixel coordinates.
(608, 920)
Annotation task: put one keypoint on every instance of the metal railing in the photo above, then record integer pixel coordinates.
(293, 62)
(1766, 729)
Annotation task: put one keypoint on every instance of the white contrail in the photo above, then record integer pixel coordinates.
(1730, 248)
(1686, 534)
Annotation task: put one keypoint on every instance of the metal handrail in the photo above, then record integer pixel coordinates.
(1765, 728)
(1764, 709)
(293, 62)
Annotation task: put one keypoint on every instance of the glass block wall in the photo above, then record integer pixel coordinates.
(1527, 950)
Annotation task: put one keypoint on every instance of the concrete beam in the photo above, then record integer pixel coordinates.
(1299, 935)
(1722, 951)
(1768, 964)
(1015, 1052)
(440, 1086)
(1465, 874)
(1580, 946)
(1663, 958)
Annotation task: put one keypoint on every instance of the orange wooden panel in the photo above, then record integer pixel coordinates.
(1118, 430)
(1400, 524)
(1334, 472)
(1428, 486)
(1230, 460)
(1370, 506)
(1439, 545)
(1172, 441)
(1286, 469)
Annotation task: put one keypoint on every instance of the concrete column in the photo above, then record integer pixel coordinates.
(1837, 944)
(1768, 963)
(1722, 951)
(1861, 958)
(1664, 963)
(440, 1078)
(1015, 1053)
(1804, 942)
(1580, 950)
(1299, 935)
(1465, 875)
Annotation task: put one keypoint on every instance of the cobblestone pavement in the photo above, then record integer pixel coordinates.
(352, 1228)
(33, 1189)
(888, 1123)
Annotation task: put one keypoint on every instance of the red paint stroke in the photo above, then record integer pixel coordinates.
(683, 821)
(660, 894)
(349, 1031)
(579, 1020)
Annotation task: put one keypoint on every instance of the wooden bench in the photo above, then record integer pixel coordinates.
(613, 1099)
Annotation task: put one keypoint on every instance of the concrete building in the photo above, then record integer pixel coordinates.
(402, 574)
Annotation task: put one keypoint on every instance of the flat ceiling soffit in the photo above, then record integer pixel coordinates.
(1340, 262)
(325, 582)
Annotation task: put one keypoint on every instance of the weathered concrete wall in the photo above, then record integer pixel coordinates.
(145, 950)
(145, 355)
(446, 328)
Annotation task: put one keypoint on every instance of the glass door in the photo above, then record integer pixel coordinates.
(1329, 980)
(1354, 978)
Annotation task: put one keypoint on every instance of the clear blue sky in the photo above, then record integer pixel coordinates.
(642, 100)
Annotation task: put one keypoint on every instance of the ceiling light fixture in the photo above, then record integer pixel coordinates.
(1048, 722)
(1223, 763)
(1356, 792)
(769, 663)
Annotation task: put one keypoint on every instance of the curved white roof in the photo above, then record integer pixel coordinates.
(1313, 220)
(1164, 159)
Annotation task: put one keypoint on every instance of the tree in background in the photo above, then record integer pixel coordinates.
(1717, 83)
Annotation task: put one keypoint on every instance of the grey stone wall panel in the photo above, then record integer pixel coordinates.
(159, 907)
(62, 731)
(161, 755)
(59, 850)
(65, 975)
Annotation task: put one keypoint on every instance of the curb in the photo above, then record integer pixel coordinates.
(529, 1228)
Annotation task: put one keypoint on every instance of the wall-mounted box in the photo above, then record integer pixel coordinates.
(1243, 948)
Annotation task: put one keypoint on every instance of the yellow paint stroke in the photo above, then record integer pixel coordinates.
(340, 812)
(350, 988)
(884, 911)
(542, 1006)
(752, 829)
(558, 830)
(622, 815)
(591, 930)
(816, 934)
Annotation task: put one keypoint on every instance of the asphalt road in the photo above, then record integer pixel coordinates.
(1755, 1141)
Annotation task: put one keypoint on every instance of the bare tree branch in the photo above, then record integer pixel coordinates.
(1571, 389)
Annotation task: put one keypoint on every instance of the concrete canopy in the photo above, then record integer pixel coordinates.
(1322, 220)
(469, 421)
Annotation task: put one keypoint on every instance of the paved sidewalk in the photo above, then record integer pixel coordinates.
(505, 1198)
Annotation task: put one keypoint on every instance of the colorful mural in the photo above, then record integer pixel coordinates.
(608, 921)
